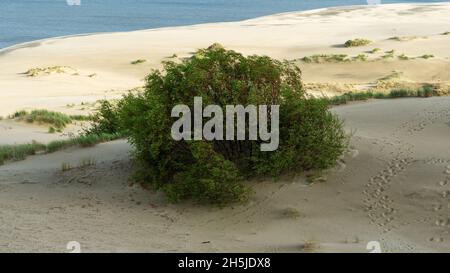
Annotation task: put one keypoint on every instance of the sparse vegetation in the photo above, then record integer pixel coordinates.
(88, 140)
(57, 120)
(65, 167)
(326, 58)
(405, 38)
(388, 54)
(139, 61)
(357, 42)
(21, 151)
(87, 162)
(291, 213)
(375, 50)
(446, 33)
(309, 246)
(403, 57)
(426, 56)
(423, 92)
(37, 71)
(394, 75)
(360, 57)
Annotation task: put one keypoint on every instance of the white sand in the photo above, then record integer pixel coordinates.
(393, 186)
(290, 36)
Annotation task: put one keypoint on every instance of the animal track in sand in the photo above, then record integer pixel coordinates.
(442, 216)
(423, 119)
(379, 205)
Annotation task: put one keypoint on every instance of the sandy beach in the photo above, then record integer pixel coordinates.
(392, 186)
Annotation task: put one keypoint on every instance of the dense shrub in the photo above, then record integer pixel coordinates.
(213, 171)
(105, 120)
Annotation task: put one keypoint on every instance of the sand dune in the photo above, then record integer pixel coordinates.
(285, 36)
(392, 186)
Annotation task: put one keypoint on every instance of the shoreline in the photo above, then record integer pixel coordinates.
(299, 12)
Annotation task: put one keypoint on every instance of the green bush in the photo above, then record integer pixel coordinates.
(105, 120)
(213, 171)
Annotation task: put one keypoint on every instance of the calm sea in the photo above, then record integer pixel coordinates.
(27, 20)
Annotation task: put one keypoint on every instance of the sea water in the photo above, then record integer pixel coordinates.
(28, 20)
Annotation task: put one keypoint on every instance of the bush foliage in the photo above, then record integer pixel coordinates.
(213, 171)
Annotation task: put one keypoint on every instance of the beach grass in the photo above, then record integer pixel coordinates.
(357, 42)
(375, 50)
(426, 56)
(57, 120)
(21, 151)
(326, 58)
(423, 92)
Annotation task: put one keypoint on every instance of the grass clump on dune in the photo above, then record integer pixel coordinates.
(19, 152)
(37, 71)
(360, 57)
(375, 50)
(139, 61)
(326, 58)
(426, 56)
(406, 38)
(423, 92)
(57, 120)
(81, 141)
(357, 42)
(403, 57)
(388, 54)
(446, 33)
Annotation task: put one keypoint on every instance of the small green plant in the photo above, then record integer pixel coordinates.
(423, 92)
(37, 71)
(139, 61)
(426, 56)
(80, 117)
(87, 162)
(56, 119)
(291, 212)
(309, 246)
(393, 76)
(19, 152)
(388, 54)
(360, 57)
(357, 42)
(406, 38)
(403, 57)
(326, 58)
(446, 33)
(375, 50)
(65, 167)
(51, 130)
